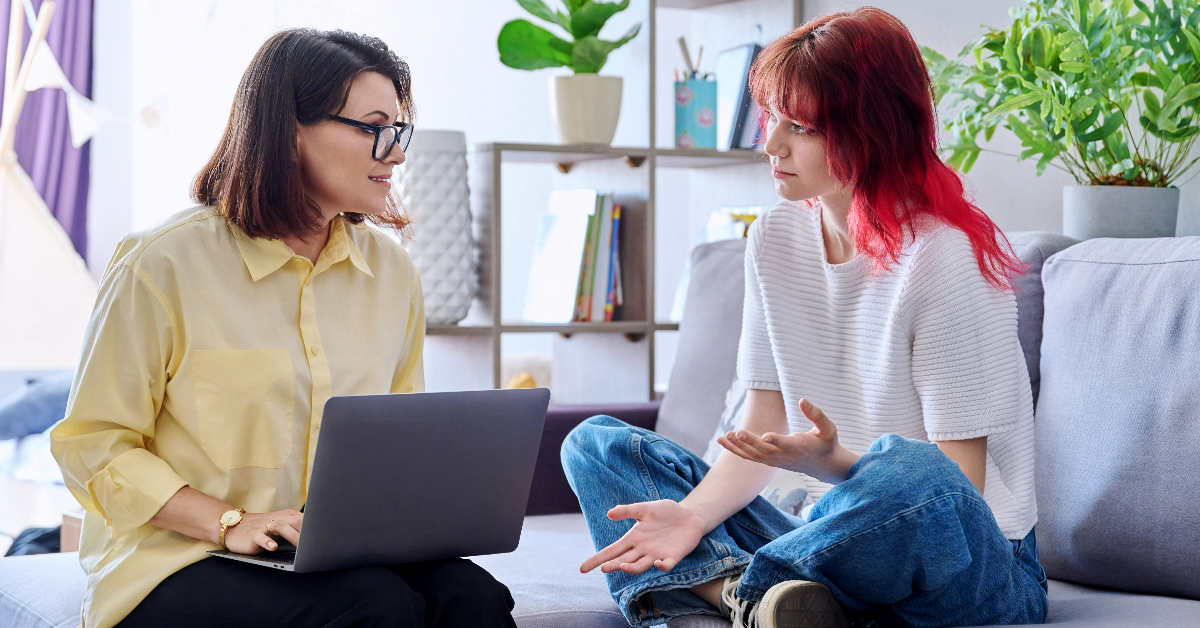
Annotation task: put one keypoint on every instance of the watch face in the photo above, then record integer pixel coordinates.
(231, 517)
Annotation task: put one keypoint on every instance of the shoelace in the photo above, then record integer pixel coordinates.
(741, 612)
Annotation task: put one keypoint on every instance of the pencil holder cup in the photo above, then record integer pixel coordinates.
(695, 114)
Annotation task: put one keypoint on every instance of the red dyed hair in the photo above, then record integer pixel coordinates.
(858, 81)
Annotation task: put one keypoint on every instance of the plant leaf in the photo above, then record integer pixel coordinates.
(526, 46)
(539, 9)
(591, 53)
(1110, 126)
(1016, 102)
(1085, 124)
(590, 18)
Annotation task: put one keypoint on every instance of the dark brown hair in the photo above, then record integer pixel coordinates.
(254, 176)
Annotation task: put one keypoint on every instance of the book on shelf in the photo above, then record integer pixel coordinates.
(558, 256)
(576, 270)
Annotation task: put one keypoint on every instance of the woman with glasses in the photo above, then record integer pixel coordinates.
(218, 336)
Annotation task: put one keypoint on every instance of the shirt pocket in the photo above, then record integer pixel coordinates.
(245, 406)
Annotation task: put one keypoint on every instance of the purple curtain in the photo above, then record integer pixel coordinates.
(43, 143)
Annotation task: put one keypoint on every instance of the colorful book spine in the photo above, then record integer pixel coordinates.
(582, 305)
(611, 300)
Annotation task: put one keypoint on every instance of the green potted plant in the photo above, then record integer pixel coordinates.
(585, 105)
(1107, 91)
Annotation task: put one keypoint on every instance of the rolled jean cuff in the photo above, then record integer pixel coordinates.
(654, 601)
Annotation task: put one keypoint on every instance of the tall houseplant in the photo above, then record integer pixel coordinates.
(1107, 91)
(585, 105)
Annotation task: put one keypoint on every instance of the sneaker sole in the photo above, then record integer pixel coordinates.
(800, 604)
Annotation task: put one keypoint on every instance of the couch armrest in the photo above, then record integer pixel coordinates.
(550, 494)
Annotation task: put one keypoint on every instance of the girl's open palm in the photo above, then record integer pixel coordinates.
(665, 532)
(816, 452)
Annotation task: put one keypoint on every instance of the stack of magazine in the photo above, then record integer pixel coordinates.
(576, 271)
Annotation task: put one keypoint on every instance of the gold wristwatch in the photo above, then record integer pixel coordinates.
(228, 520)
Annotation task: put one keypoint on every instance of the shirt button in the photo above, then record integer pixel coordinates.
(315, 350)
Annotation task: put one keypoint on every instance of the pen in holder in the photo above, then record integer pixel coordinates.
(695, 113)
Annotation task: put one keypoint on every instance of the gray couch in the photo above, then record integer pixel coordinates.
(1113, 349)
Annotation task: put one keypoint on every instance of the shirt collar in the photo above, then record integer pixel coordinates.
(264, 256)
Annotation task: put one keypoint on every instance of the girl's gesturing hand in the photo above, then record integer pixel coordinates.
(816, 452)
(665, 532)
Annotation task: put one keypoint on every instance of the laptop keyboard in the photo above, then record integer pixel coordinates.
(281, 557)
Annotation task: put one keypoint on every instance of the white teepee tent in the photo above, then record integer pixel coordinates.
(46, 292)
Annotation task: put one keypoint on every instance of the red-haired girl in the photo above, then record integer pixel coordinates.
(879, 346)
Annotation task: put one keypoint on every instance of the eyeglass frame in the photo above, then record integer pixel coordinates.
(378, 130)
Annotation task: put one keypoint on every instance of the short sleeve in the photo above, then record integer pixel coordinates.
(410, 370)
(114, 404)
(967, 363)
(756, 358)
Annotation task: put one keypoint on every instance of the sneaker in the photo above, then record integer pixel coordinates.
(790, 604)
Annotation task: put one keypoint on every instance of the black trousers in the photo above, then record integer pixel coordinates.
(221, 593)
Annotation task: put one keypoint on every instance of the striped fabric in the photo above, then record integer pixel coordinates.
(927, 350)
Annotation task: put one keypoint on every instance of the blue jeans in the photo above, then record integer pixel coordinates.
(906, 538)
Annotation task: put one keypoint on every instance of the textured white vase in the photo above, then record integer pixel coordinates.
(585, 107)
(434, 191)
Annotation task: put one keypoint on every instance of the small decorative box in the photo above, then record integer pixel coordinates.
(696, 114)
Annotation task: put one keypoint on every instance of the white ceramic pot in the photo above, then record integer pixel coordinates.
(434, 191)
(1108, 211)
(585, 107)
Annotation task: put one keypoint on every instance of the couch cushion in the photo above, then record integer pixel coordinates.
(706, 356)
(1033, 248)
(35, 407)
(1117, 430)
(1071, 606)
(543, 575)
(42, 591)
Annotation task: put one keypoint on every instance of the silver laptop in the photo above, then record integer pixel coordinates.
(415, 477)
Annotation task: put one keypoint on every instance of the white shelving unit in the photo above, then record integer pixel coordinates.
(487, 183)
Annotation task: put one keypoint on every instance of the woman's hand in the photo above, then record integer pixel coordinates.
(665, 532)
(816, 452)
(251, 535)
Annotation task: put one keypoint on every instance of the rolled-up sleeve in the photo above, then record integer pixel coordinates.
(410, 371)
(115, 400)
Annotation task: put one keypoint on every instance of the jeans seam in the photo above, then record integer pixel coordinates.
(883, 523)
(637, 452)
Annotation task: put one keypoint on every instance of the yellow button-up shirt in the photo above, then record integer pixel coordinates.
(207, 363)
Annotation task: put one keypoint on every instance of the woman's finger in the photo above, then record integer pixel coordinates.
(814, 414)
(621, 546)
(665, 564)
(294, 518)
(756, 443)
(779, 441)
(640, 566)
(619, 562)
(737, 447)
(262, 540)
(627, 511)
(287, 532)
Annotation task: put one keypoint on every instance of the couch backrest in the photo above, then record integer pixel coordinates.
(1118, 421)
(1033, 248)
(706, 356)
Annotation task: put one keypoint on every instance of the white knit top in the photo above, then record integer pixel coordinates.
(927, 350)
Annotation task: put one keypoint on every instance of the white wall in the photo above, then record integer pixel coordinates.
(177, 64)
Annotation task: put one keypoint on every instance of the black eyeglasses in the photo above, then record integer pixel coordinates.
(386, 135)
